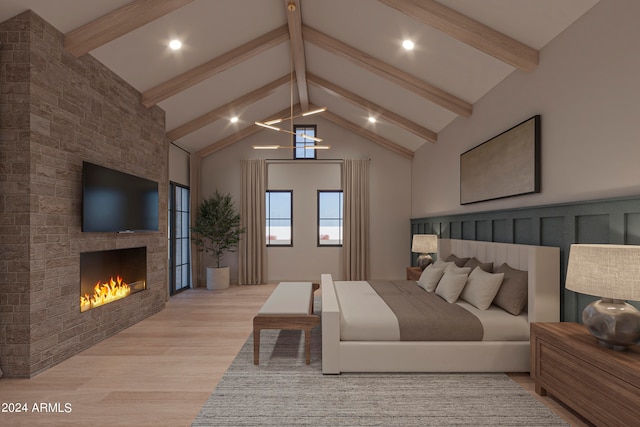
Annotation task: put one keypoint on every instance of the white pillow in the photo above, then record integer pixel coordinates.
(481, 288)
(451, 286)
(430, 277)
(443, 264)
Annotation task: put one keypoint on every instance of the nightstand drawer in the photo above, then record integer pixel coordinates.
(600, 384)
(579, 384)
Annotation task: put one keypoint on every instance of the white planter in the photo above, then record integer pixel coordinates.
(217, 278)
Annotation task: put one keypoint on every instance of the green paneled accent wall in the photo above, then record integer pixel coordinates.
(613, 221)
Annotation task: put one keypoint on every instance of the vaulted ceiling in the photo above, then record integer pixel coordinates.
(237, 56)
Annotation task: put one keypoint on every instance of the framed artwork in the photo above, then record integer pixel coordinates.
(504, 166)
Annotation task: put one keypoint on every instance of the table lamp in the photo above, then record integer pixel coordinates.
(424, 244)
(611, 272)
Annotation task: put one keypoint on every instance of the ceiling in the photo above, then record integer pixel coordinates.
(236, 58)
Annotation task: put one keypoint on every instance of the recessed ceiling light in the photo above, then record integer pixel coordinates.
(175, 44)
(372, 119)
(408, 45)
(234, 119)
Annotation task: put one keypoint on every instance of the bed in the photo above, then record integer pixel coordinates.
(542, 266)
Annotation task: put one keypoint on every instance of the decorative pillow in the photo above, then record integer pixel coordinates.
(442, 264)
(455, 269)
(481, 288)
(430, 277)
(459, 261)
(512, 296)
(473, 263)
(451, 286)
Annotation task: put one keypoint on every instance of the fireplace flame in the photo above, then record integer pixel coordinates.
(104, 293)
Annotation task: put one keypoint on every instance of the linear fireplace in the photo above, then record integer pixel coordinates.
(107, 276)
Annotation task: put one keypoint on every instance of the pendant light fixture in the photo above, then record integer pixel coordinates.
(270, 123)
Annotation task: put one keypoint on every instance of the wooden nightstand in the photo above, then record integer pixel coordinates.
(600, 384)
(413, 273)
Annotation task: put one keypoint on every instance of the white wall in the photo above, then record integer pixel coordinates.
(390, 202)
(304, 261)
(178, 165)
(587, 90)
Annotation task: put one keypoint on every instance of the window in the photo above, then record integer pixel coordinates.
(279, 218)
(330, 218)
(300, 152)
(179, 239)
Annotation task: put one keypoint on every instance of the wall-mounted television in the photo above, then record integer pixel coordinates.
(114, 201)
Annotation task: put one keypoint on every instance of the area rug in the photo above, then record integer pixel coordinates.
(283, 391)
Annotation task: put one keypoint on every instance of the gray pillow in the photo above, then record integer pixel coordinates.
(459, 261)
(451, 286)
(513, 293)
(430, 277)
(474, 262)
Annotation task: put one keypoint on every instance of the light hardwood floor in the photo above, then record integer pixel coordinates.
(158, 372)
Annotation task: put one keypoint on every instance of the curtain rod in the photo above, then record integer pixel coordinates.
(310, 161)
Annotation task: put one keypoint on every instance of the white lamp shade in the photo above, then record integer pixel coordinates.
(424, 243)
(607, 271)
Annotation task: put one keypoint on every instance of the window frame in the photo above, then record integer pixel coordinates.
(340, 219)
(267, 218)
(295, 142)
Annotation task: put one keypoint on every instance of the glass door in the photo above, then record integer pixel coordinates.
(179, 239)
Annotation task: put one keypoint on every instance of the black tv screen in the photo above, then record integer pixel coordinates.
(114, 201)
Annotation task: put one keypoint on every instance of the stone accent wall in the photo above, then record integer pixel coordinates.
(57, 110)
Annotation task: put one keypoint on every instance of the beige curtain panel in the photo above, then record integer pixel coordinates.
(355, 244)
(252, 248)
(194, 193)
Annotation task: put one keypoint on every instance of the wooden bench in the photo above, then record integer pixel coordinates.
(290, 306)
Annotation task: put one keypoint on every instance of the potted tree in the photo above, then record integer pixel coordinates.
(217, 230)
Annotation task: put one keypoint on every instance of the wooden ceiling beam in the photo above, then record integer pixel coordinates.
(367, 134)
(389, 72)
(365, 104)
(469, 31)
(242, 134)
(224, 110)
(294, 20)
(214, 66)
(118, 23)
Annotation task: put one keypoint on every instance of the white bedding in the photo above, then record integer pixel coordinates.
(364, 316)
(498, 324)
